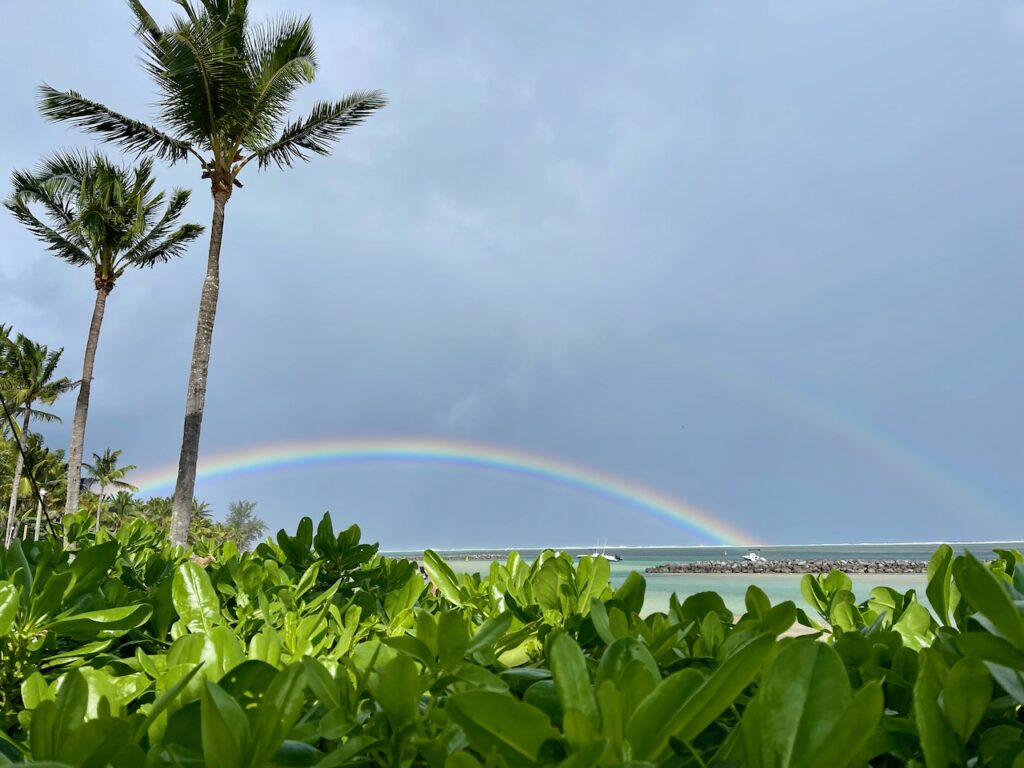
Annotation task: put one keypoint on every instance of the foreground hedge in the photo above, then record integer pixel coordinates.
(315, 650)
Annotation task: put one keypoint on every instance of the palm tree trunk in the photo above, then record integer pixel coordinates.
(99, 509)
(39, 518)
(82, 404)
(19, 465)
(195, 399)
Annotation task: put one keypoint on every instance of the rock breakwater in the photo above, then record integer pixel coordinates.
(793, 566)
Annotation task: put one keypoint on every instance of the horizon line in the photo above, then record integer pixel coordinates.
(950, 542)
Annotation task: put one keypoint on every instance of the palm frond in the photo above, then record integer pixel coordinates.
(316, 132)
(172, 246)
(162, 243)
(45, 416)
(55, 184)
(147, 24)
(132, 135)
(203, 80)
(57, 243)
(282, 56)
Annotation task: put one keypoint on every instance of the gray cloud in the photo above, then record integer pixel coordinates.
(762, 257)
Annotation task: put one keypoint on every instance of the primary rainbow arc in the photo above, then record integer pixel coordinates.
(459, 454)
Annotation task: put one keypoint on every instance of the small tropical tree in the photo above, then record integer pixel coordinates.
(27, 377)
(226, 86)
(48, 473)
(6, 422)
(242, 525)
(94, 213)
(105, 472)
(201, 523)
(122, 507)
(158, 510)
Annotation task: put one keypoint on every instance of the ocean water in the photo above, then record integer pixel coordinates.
(732, 587)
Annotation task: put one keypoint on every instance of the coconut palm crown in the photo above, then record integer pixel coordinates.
(226, 87)
(94, 213)
(105, 472)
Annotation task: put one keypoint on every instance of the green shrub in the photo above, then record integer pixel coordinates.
(315, 650)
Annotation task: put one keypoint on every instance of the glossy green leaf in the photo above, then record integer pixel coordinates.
(452, 638)
(632, 592)
(405, 597)
(442, 576)
(989, 598)
(347, 752)
(801, 701)
(986, 647)
(90, 567)
(574, 689)
(461, 760)
(682, 706)
(108, 621)
(10, 601)
(848, 738)
(278, 712)
(497, 721)
(966, 695)
(163, 702)
(620, 655)
(398, 690)
(69, 713)
(602, 624)
(225, 729)
(940, 574)
(544, 697)
(938, 740)
(490, 633)
(194, 599)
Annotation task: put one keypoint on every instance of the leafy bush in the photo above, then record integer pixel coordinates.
(315, 650)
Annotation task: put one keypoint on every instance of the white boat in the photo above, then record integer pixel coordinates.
(753, 557)
(605, 555)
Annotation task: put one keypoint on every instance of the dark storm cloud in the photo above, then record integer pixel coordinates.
(761, 256)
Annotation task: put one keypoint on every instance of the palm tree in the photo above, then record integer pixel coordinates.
(242, 524)
(158, 510)
(48, 473)
(97, 214)
(5, 344)
(123, 506)
(105, 473)
(27, 377)
(201, 524)
(226, 86)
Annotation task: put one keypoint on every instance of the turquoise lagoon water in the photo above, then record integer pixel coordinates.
(732, 587)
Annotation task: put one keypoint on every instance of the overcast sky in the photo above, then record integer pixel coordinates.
(763, 257)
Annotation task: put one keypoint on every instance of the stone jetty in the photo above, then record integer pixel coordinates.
(793, 566)
(456, 557)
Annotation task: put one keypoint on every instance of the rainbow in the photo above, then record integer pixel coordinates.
(477, 456)
(903, 460)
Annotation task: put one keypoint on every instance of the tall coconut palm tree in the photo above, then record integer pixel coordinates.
(93, 213)
(105, 473)
(226, 86)
(27, 370)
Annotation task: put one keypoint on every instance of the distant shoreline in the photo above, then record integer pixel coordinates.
(793, 566)
(479, 553)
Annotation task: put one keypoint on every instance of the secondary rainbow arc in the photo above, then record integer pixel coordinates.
(470, 455)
